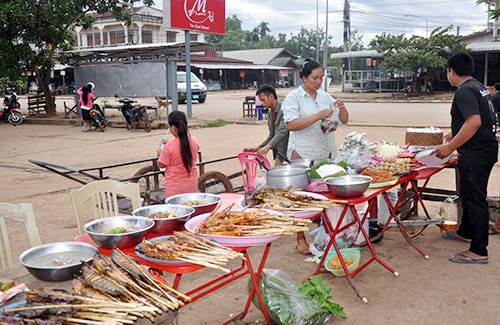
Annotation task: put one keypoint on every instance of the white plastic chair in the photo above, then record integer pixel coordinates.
(22, 212)
(101, 199)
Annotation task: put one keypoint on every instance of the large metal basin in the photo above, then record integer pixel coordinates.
(58, 261)
(182, 213)
(136, 230)
(348, 185)
(209, 201)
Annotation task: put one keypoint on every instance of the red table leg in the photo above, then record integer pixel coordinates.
(255, 287)
(333, 231)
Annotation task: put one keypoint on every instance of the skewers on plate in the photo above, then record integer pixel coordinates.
(186, 247)
(286, 200)
(250, 222)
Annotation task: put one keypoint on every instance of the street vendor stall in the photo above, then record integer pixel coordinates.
(370, 197)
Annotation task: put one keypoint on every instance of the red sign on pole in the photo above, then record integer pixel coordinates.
(242, 73)
(207, 16)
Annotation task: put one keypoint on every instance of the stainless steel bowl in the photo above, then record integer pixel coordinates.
(137, 228)
(182, 213)
(57, 261)
(348, 185)
(210, 201)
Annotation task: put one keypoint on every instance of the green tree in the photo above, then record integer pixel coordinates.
(232, 24)
(403, 54)
(33, 33)
(305, 42)
(494, 10)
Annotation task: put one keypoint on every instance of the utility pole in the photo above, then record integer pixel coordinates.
(325, 53)
(347, 39)
(317, 31)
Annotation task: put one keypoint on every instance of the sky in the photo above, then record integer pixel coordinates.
(368, 17)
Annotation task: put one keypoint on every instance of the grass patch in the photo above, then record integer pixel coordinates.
(217, 123)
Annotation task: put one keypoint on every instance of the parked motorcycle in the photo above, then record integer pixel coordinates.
(10, 111)
(97, 116)
(136, 116)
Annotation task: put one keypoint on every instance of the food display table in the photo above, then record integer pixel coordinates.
(179, 269)
(370, 197)
(20, 275)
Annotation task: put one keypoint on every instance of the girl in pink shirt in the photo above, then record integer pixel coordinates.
(178, 157)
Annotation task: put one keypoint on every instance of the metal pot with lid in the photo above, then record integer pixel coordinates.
(307, 163)
(295, 177)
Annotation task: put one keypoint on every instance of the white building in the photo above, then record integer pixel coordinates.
(147, 28)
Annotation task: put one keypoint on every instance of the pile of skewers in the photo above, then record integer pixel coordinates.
(249, 222)
(47, 306)
(189, 247)
(286, 200)
(109, 290)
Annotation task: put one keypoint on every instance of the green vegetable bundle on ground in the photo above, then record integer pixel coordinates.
(287, 304)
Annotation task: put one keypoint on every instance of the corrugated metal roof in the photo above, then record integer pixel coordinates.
(144, 48)
(236, 66)
(484, 47)
(259, 56)
(356, 54)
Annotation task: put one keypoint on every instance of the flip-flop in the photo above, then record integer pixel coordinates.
(469, 259)
(493, 231)
(305, 252)
(451, 234)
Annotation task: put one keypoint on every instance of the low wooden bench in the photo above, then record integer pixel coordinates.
(38, 103)
(249, 107)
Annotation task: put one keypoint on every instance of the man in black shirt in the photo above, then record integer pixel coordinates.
(472, 134)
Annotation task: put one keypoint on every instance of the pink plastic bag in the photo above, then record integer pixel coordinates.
(317, 186)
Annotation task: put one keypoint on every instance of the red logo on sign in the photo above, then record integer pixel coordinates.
(197, 12)
(208, 16)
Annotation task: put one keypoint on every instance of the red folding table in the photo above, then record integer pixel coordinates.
(370, 197)
(246, 268)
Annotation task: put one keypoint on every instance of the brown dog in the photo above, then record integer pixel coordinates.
(162, 105)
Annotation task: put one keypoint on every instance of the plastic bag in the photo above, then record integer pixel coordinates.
(321, 239)
(284, 303)
(332, 123)
(358, 158)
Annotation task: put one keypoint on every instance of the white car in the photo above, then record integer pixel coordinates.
(198, 88)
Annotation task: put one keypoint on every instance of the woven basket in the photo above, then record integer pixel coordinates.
(424, 138)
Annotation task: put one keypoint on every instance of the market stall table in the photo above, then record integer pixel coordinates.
(20, 275)
(246, 268)
(370, 197)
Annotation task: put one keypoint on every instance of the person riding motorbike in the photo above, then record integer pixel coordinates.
(85, 102)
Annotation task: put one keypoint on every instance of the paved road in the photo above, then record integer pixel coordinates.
(365, 109)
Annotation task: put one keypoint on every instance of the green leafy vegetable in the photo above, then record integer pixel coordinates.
(318, 289)
(117, 230)
(284, 303)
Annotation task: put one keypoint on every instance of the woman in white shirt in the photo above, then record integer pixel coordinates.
(304, 109)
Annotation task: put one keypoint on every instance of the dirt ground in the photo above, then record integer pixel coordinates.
(434, 291)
